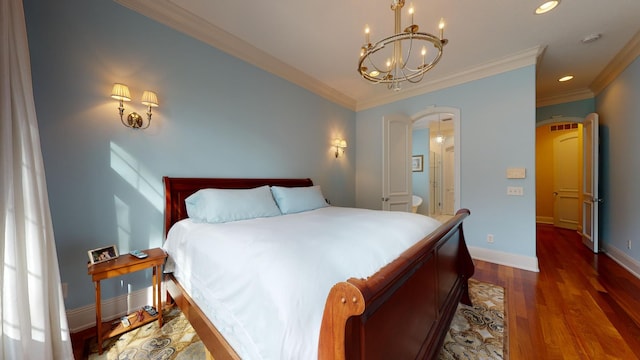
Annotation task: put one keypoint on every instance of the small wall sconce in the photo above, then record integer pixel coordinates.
(134, 120)
(340, 144)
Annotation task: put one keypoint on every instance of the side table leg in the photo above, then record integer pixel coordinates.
(98, 317)
(157, 295)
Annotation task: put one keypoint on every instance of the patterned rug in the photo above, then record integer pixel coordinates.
(176, 340)
(476, 333)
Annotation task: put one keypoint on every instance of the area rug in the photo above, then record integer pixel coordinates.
(175, 340)
(476, 332)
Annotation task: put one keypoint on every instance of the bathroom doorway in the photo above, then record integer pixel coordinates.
(436, 135)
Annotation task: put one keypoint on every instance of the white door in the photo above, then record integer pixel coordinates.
(590, 200)
(566, 210)
(396, 163)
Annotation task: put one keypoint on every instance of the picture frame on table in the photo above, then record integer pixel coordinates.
(417, 163)
(103, 254)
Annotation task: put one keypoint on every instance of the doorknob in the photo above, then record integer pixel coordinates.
(555, 193)
(385, 199)
(597, 200)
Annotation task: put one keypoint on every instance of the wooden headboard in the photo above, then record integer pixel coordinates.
(176, 190)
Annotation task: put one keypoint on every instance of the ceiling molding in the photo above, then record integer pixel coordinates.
(524, 58)
(570, 96)
(617, 65)
(176, 17)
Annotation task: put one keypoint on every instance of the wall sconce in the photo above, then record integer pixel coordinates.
(134, 120)
(339, 144)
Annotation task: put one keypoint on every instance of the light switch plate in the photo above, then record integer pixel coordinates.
(516, 173)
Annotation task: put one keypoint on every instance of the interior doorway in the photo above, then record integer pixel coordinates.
(559, 178)
(436, 137)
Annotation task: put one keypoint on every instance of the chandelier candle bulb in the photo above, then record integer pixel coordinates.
(411, 11)
(366, 35)
(441, 27)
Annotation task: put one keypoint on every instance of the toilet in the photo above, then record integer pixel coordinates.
(416, 201)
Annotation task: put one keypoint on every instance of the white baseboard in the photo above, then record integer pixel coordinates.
(85, 317)
(502, 258)
(626, 261)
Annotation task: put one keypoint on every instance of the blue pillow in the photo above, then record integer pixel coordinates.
(224, 205)
(298, 199)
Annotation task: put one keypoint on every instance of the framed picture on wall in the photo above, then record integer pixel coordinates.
(103, 254)
(416, 163)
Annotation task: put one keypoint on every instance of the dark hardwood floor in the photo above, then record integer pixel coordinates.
(579, 306)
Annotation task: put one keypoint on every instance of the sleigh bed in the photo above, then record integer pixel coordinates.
(402, 311)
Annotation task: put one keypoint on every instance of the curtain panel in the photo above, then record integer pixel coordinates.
(33, 323)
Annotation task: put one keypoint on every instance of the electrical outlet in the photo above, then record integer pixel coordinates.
(490, 238)
(65, 290)
(515, 191)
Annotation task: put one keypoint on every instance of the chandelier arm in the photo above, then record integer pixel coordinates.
(437, 43)
(386, 76)
(405, 62)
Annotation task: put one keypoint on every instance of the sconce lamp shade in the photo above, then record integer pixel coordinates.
(340, 143)
(150, 98)
(121, 92)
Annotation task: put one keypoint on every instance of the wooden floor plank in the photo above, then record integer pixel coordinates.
(580, 305)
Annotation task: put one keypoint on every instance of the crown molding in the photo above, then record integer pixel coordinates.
(176, 17)
(515, 61)
(617, 65)
(575, 95)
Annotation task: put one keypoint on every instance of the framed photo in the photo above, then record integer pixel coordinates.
(416, 163)
(103, 254)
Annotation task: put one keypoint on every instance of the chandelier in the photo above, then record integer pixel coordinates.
(385, 62)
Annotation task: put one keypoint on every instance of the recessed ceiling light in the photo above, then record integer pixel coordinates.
(547, 6)
(565, 78)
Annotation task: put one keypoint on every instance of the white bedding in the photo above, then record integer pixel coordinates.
(264, 282)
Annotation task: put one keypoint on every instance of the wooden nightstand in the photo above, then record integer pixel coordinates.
(125, 264)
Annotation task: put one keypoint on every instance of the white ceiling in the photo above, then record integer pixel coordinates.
(316, 43)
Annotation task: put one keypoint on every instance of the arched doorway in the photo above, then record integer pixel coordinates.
(439, 183)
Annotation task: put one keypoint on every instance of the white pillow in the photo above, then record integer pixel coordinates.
(298, 199)
(224, 205)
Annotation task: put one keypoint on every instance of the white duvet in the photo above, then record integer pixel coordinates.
(264, 282)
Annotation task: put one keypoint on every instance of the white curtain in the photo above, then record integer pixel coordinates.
(33, 324)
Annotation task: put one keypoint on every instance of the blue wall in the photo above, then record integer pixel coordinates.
(619, 109)
(579, 109)
(497, 131)
(218, 117)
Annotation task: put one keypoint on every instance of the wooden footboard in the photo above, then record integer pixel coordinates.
(401, 312)
(404, 310)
